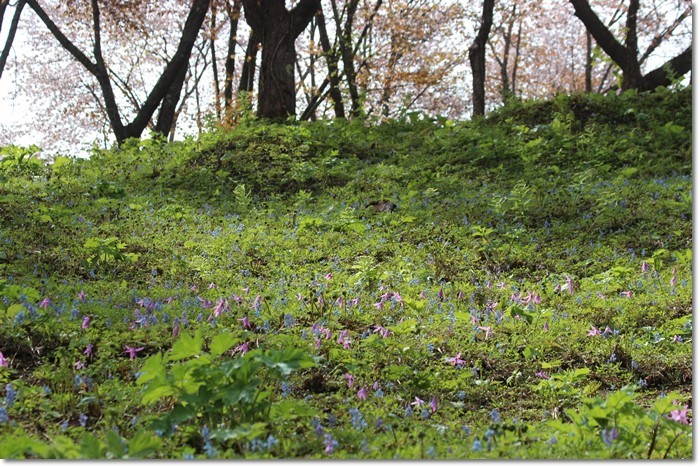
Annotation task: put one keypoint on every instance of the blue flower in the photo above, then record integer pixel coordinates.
(4, 418)
(476, 445)
(495, 416)
(82, 419)
(609, 435)
(10, 395)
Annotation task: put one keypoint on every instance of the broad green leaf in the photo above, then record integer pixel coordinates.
(153, 367)
(221, 343)
(286, 361)
(90, 447)
(186, 346)
(12, 310)
(114, 444)
(143, 444)
(243, 432)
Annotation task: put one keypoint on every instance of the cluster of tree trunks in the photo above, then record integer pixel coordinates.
(274, 30)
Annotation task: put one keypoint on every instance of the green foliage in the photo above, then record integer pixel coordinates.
(413, 289)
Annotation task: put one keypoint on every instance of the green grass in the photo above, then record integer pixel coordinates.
(518, 286)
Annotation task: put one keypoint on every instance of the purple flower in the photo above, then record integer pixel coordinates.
(384, 332)
(350, 379)
(456, 360)
(245, 322)
(546, 326)
(81, 296)
(680, 416)
(221, 306)
(86, 322)
(379, 305)
(88, 350)
(132, 351)
(627, 293)
(673, 278)
(243, 348)
(328, 276)
(211, 286)
(488, 329)
(3, 361)
(47, 301)
(176, 329)
(542, 374)
(79, 365)
(362, 394)
(594, 332)
(569, 284)
(645, 266)
(434, 404)
(418, 402)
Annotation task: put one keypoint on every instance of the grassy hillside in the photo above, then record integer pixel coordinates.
(515, 286)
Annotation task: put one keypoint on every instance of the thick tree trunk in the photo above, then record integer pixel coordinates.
(664, 75)
(477, 59)
(278, 28)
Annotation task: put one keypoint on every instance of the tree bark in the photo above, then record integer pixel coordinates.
(627, 56)
(664, 75)
(589, 63)
(331, 57)
(234, 13)
(477, 59)
(11, 33)
(278, 28)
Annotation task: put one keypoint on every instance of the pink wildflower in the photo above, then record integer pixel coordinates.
(242, 348)
(79, 365)
(488, 329)
(546, 326)
(434, 404)
(132, 351)
(245, 322)
(673, 278)
(422, 295)
(45, 303)
(350, 379)
(86, 322)
(362, 394)
(176, 329)
(88, 350)
(627, 293)
(211, 286)
(680, 416)
(418, 402)
(456, 360)
(594, 332)
(81, 296)
(378, 305)
(221, 306)
(3, 361)
(645, 266)
(569, 284)
(542, 374)
(328, 276)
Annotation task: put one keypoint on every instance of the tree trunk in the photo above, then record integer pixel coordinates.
(278, 28)
(163, 87)
(477, 59)
(331, 56)
(11, 33)
(234, 13)
(589, 62)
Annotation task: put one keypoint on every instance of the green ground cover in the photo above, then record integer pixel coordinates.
(512, 287)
